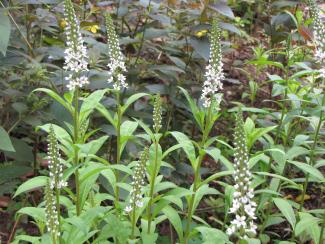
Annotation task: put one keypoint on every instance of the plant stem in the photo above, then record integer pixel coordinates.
(76, 139)
(152, 185)
(118, 146)
(321, 236)
(57, 195)
(312, 153)
(197, 176)
(133, 221)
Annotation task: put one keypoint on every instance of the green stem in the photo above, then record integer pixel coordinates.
(133, 221)
(197, 177)
(118, 146)
(312, 153)
(152, 185)
(57, 195)
(321, 236)
(76, 140)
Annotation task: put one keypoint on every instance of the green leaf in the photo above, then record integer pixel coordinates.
(56, 97)
(197, 114)
(309, 224)
(37, 214)
(175, 220)
(5, 30)
(212, 235)
(131, 100)
(309, 169)
(106, 114)
(127, 130)
(187, 146)
(5, 142)
(90, 103)
(31, 184)
(287, 210)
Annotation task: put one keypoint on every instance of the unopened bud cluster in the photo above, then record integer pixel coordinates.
(214, 71)
(54, 160)
(157, 113)
(243, 205)
(51, 214)
(76, 58)
(136, 199)
(319, 35)
(116, 59)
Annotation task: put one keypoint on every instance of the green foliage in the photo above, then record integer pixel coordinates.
(187, 187)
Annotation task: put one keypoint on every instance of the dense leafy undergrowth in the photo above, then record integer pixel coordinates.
(162, 122)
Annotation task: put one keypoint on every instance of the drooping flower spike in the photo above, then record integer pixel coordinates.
(243, 206)
(319, 35)
(136, 199)
(157, 113)
(76, 58)
(214, 71)
(55, 164)
(116, 62)
(51, 214)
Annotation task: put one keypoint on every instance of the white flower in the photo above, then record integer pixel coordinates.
(76, 58)
(319, 36)
(136, 196)
(214, 72)
(116, 59)
(243, 205)
(55, 163)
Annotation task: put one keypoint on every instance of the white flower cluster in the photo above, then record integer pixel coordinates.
(51, 214)
(157, 114)
(116, 62)
(214, 72)
(319, 36)
(243, 205)
(136, 199)
(75, 53)
(55, 164)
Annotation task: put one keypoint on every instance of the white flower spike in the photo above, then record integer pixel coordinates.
(214, 71)
(243, 205)
(76, 58)
(116, 59)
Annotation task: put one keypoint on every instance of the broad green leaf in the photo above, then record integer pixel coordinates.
(197, 114)
(5, 29)
(106, 114)
(187, 146)
(127, 130)
(56, 97)
(131, 100)
(212, 235)
(37, 214)
(5, 142)
(309, 169)
(31, 184)
(287, 210)
(309, 224)
(175, 220)
(90, 103)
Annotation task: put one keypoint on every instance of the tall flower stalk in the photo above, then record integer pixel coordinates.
(56, 170)
(319, 40)
(136, 194)
(51, 214)
(76, 65)
(156, 126)
(116, 66)
(243, 206)
(214, 72)
(211, 100)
